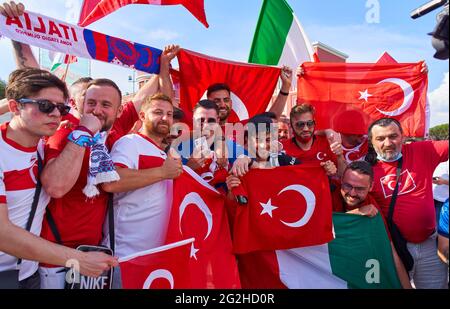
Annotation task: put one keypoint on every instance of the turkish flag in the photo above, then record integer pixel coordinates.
(159, 268)
(252, 85)
(349, 97)
(93, 10)
(198, 211)
(293, 211)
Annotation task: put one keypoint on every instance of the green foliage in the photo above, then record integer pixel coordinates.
(439, 132)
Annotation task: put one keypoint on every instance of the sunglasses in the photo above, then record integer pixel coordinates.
(309, 124)
(46, 106)
(348, 188)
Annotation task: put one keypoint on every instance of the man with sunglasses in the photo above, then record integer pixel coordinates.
(351, 195)
(37, 100)
(207, 151)
(78, 218)
(309, 147)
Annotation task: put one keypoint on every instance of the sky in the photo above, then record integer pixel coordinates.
(362, 29)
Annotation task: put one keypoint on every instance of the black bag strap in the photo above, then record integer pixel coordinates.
(111, 222)
(395, 194)
(37, 193)
(52, 224)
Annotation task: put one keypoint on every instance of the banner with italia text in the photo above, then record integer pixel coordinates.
(55, 35)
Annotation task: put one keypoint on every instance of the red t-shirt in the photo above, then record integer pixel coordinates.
(320, 150)
(80, 220)
(414, 211)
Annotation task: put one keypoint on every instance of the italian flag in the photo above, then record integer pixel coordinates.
(279, 38)
(59, 58)
(359, 257)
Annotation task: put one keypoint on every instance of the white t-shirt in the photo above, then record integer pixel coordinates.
(141, 217)
(18, 172)
(440, 192)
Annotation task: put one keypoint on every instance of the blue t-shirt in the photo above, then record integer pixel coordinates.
(186, 148)
(443, 220)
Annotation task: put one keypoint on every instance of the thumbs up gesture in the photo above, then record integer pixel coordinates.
(172, 167)
(334, 139)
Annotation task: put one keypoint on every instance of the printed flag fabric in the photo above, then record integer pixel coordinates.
(164, 267)
(58, 36)
(293, 211)
(198, 211)
(93, 10)
(354, 95)
(360, 257)
(251, 85)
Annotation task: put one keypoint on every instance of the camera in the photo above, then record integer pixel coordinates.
(440, 34)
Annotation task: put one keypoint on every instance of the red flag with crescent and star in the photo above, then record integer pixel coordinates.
(164, 267)
(251, 85)
(293, 211)
(198, 211)
(93, 10)
(348, 97)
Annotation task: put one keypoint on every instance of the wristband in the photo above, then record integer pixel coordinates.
(82, 138)
(284, 93)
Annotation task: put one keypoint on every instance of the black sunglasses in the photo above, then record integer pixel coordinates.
(46, 106)
(309, 124)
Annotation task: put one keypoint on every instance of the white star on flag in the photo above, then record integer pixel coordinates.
(268, 208)
(365, 95)
(194, 251)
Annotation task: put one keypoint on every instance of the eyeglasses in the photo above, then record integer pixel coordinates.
(46, 106)
(309, 124)
(348, 188)
(225, 100)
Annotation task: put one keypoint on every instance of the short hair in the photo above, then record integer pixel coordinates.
(206, 104)
(82, 80)
(302, 109)
(361, 167)
(217, 87)
(384, 122)
(159, 96)
(270, 115)
(105, 82)
(258, 120)
(27, 82)
(178, 113)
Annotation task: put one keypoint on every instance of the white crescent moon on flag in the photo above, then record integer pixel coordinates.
(238, 106)
(408, 94)
(310, 204)
(319, 157)
(194, 198)
(159, 274)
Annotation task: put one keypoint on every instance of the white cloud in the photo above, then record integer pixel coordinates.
(439, 103)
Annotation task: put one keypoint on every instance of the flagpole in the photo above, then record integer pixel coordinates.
(63, 78)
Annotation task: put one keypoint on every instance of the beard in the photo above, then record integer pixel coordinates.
(356, 200)
(224, 113)
(304, 138)
(388, 154)
(162, 128)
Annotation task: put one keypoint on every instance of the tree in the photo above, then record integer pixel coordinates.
(2, 89)
(439, 132)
